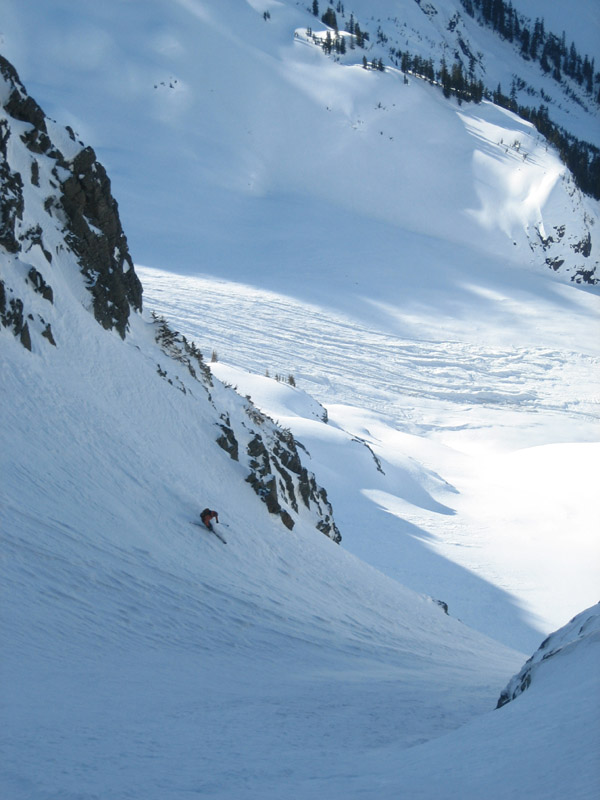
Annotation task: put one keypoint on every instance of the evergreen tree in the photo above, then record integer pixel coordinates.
(445, 78)
(359, 36)
(477, 91)
(537, 40)
(330, 19)
(588, 73)
(570, 62)
(315, 9)
(457, 80)
(525, 43)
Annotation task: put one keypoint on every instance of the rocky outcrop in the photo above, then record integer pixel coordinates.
(269, 453)
(95, 235)
(569, 250)
(583, 628)
(279, 478)
(179, 349)
(11, 195)
(11, 315)
(78, 203)
(227, 439)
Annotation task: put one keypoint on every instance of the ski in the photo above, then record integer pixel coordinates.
(209, 530)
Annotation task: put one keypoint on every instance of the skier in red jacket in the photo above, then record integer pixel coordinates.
(207, 515)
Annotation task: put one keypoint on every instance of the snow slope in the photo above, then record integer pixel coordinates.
(129, 634)
(552, 726)
(489, 447)
(146, 660)
(212, 120)
(127, 631)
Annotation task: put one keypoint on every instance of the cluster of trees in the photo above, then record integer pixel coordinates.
(422, 67)
(582, 158)
(454, 80)
(330, 44)
(337, 43)
(360, 37)
(280, 379)
(464, 87)
(339, 9)
(535, 44)
(377, 64)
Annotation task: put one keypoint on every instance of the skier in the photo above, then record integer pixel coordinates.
(206, 516)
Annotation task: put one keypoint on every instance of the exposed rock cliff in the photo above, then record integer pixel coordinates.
(79, 215)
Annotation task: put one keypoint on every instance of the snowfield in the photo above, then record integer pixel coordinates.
(395, 279)
(146, 657)
(488, 451)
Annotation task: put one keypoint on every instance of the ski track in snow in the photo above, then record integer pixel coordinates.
(480, 402)
(341, 360)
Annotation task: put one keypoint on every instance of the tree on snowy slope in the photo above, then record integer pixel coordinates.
(330, 19)
(536, 44)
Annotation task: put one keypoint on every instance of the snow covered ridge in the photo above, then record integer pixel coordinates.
(560, 235)
(548, 73)
(62, 243)
(581, 631)
(251, 438)
(264, 113)
(56, 207)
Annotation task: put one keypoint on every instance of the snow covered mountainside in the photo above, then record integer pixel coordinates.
(124, 626)
(249, 127)
(418, 277)
(57, 207)
(142, 657)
